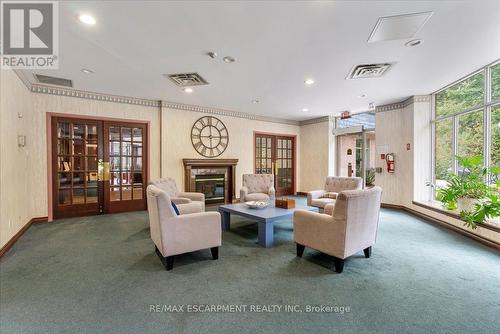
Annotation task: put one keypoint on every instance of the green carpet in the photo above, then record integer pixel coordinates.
(100, 275)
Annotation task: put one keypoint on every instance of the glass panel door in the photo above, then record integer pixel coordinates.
(75, 187)
(275, 155)
(284, 166)
(264, 158)
(98, 167)
(125, 190)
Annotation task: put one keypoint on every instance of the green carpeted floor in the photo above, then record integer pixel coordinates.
(101, 275)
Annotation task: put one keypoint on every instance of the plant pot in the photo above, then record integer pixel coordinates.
(466, 203)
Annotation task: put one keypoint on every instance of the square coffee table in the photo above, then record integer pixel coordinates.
(264, 217)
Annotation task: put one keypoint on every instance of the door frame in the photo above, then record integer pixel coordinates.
(48, 135)
(362, 132)
(257, 133)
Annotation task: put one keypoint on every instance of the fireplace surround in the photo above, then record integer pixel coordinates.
(213, 177)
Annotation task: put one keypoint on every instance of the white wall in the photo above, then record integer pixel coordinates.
(176, 142)
(315, 155)
(17, 174)
(394, 129)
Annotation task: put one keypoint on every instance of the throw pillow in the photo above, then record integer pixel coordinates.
(175, 209)
(331, 195)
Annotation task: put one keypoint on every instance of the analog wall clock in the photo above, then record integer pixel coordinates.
(209, 136)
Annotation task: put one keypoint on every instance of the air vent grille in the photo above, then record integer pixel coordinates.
(369, 71)
(45, 79)
(187, 79)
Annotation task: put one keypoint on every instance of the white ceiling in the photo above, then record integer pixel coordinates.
(277, 45)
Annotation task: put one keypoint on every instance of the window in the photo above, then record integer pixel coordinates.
(495, 82)
(464, 114)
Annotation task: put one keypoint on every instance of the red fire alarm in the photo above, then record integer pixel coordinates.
(382, 156)
(408, 146)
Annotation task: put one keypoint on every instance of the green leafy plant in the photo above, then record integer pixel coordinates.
(470, 183)
(488, 208)
(370, 177)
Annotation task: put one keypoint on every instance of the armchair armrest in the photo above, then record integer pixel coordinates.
(199, 197)
(195, 231)
(243, 194)
(313, 195)
(180, 200)
(319, 231)
(272, 194)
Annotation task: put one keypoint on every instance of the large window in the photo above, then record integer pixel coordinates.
(467, 121)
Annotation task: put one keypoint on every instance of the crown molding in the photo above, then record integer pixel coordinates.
(70, 92)
(224, 112)
(315, 120)
(404, 103)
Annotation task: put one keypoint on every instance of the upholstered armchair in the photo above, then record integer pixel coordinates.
(186, 202)
(175, 234)
(351, 228)
(257, 187)
(333, 186)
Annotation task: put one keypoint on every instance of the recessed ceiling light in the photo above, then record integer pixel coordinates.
(305, 109)
(87, 71)
(309, 81)
(212, 54)
(228, 59)
(414, 42)
(87, 19)
(188, 90)
(255, 101)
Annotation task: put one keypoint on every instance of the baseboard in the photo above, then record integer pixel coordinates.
(433, 220)
(18, 235)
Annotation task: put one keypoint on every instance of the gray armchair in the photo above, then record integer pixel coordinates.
(186, 202)
(351, 228)
(257, 187)
(333, 186)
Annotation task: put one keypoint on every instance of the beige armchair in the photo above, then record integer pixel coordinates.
(257, 187)
(351, 228)
(186, 202)
(333, 186)
(175, 234)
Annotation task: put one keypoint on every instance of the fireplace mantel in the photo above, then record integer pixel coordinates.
(192, 167)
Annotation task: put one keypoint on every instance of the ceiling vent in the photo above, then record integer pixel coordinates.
(45, 79)
(398, 26)
(187, 79)
(369, 71)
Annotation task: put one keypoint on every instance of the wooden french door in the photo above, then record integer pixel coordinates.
(98, 166)
(275, 154)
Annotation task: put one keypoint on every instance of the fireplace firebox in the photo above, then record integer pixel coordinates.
(213, 177)
(212, 185)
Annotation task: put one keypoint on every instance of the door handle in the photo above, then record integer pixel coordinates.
(102, 170)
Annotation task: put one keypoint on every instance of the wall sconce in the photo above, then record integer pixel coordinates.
(21, 140)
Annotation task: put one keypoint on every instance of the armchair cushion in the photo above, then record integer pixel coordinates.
(257, 187)
(321, 202)
(257, 197)
(180, 200)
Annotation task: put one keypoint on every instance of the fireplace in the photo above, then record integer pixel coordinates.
(213, 177)
(212, 185)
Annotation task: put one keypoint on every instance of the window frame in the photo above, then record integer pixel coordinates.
(486, 106)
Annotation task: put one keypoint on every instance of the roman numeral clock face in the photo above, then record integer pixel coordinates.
(209, 136)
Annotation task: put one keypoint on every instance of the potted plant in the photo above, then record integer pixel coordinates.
(468, 192)
(465, 188)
